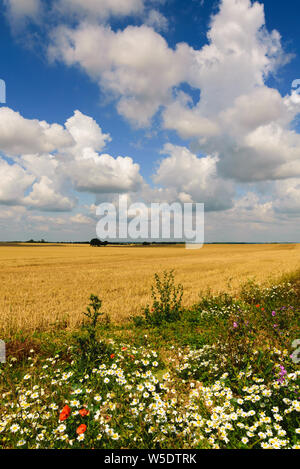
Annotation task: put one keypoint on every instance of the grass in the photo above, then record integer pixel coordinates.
(45, 287)
(222, 373)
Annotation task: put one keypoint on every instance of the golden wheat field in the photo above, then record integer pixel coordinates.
(48, 286)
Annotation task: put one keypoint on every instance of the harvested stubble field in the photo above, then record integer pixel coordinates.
(48, 286)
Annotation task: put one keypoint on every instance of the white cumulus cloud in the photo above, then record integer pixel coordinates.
(195, 179)
(53, 162)
(20, 136)
(136, 64)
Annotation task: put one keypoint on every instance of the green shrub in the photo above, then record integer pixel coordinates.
(90, 350)
(280, 294)
(212, 308)
(167, 300)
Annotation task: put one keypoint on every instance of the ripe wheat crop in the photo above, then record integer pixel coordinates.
(48, 286)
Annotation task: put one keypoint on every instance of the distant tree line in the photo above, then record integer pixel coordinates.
(97, 242)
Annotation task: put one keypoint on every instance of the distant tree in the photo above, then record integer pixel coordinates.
(96, 242)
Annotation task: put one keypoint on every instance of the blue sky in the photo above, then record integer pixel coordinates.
(197, 95)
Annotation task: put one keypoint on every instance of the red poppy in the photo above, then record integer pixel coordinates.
(124, 348)
(81, 429)
(257, 306)
(65, 413)
(112, 355)
(83, 412)
(63, 416)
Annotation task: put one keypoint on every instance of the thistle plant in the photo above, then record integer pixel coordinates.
(167, 300)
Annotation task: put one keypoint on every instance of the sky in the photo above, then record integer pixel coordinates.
(161, 100)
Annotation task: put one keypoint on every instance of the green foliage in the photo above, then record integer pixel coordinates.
(212, 309)
(280, 294)
(219, 375)
(167, 300)
(91, 350)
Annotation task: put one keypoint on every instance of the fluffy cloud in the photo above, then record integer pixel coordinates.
(14, 182)
(86, 132)
(269, 152)
(239, 118)
(258, 108)
(91, 172)
(189, 124)
(239, 57)
(100, 9)
(124, 64)
(156, 20)
(195, 179)
(287, 197)
(81, 219)
(244, 127)
(20, 11)
(240, 54)
(52, 162)
(45, 196)
(20, 136)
